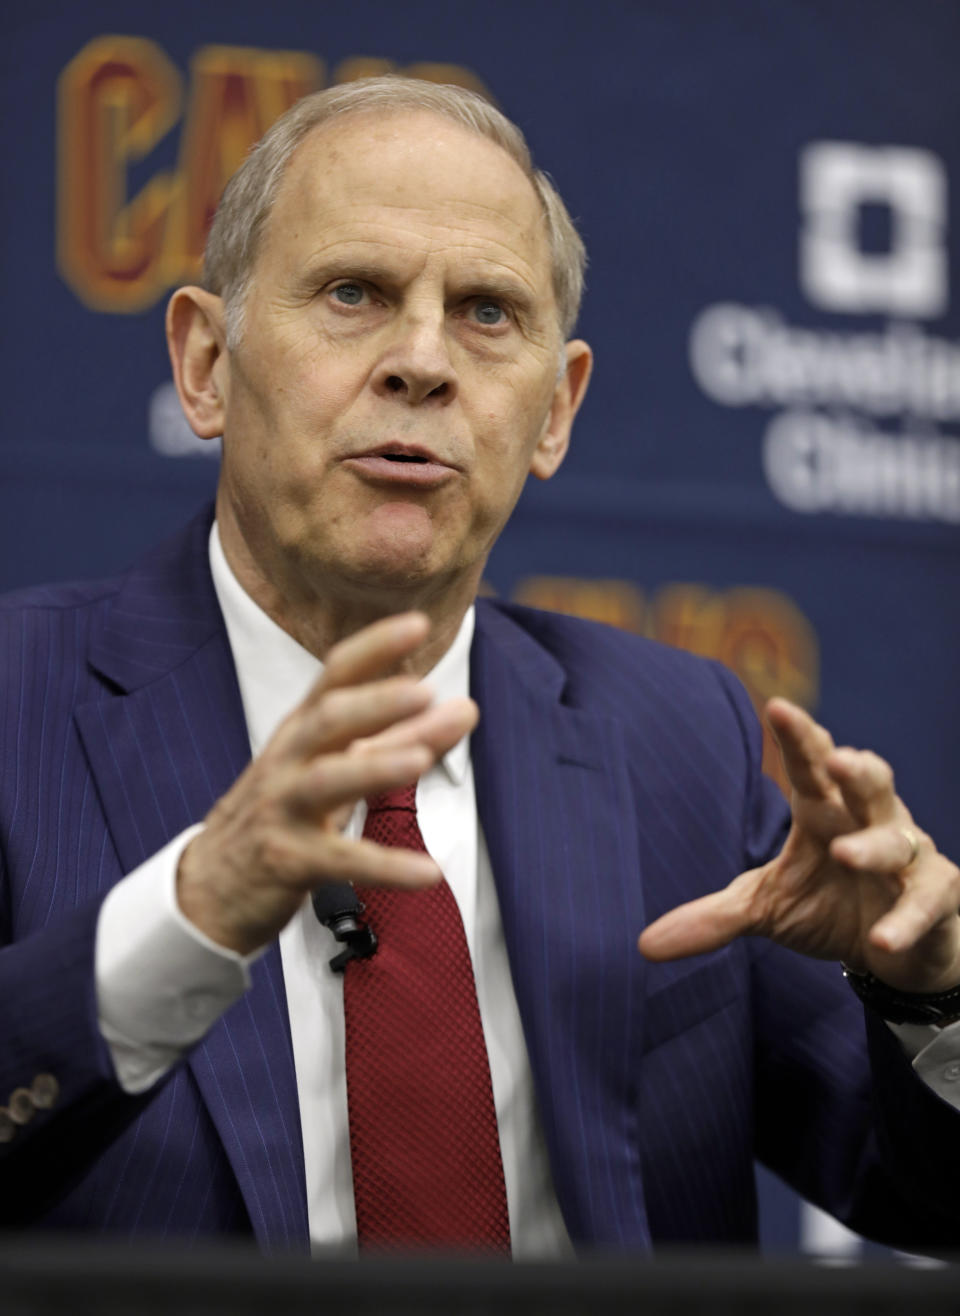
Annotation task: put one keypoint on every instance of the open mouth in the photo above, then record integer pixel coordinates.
(420, 470)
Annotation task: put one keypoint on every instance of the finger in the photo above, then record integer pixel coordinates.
(336, 779)
(375, 651)
(805, 746)
(367, 864)
(340, 817)
(344, 715)
(931, 895)
(700, 925)
(883, 848)
(866, 783)
(440, 727)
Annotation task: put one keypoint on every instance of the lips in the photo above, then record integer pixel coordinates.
(401, 464)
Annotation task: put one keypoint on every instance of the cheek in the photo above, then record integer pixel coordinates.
(513, 406)
(289, 418)
(305, 377)
(534, 399)
(512, 435)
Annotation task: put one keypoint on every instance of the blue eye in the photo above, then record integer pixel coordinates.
(350, 294)
(489, 312)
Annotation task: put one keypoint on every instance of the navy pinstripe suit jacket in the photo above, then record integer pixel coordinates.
(614, 778)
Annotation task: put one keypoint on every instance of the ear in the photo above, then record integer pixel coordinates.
(196, 339)
(571, 386)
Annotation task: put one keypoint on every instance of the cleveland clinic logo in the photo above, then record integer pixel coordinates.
(857, 411)
(838, 182)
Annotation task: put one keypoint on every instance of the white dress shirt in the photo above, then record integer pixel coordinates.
(161, 983)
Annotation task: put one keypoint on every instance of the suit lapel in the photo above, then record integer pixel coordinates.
(161, 751)
(553, 796)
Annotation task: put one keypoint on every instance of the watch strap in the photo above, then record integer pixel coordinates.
(898, 1007)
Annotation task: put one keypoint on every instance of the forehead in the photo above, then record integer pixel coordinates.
(411, 180)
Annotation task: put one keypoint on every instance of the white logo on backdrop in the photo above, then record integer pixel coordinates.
(857, 412)
(837, 181)
(170, 434)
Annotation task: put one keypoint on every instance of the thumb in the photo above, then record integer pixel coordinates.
(701, 925)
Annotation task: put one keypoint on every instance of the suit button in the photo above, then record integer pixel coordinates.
(44, 1091)
(7, 1127)
(20, 1106)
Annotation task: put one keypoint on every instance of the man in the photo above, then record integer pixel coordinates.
(381, 341)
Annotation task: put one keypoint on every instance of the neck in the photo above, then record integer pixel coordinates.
(320, 611)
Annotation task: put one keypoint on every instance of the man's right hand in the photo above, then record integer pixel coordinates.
(277, 833)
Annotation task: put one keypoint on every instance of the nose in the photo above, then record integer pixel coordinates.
(417, 367)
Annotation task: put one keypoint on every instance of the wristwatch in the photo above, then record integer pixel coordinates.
(938, 1008)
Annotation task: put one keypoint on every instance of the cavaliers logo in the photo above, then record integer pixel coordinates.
(760, 634)
(121, 248)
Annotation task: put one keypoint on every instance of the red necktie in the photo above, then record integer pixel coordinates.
(423, 1131)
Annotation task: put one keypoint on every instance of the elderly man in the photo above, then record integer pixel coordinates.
(377, 984)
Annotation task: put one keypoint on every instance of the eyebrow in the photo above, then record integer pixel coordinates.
(469, 283)
(500, 289)
(325, 268)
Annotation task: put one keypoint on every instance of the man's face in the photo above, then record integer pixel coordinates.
(397, 374)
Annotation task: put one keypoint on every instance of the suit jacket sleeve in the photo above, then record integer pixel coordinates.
(56, 864)
(841, 1114)
(48, 1023)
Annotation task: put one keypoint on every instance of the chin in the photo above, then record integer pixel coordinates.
(399, 546)
(396, 573)
(387, 563)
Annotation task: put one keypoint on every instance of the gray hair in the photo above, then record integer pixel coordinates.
(251, 193)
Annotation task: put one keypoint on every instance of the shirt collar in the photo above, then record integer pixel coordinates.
(275, 672)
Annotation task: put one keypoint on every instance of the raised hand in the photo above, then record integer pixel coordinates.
(857, 880)
(276, 834)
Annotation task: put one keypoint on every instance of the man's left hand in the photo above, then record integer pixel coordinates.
(857, 880)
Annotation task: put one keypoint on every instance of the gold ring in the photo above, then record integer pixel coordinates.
(912, 840)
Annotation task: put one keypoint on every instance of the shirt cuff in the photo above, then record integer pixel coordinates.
(935, 1055)
(160, 982)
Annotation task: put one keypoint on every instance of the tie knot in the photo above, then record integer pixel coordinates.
(402, 797)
